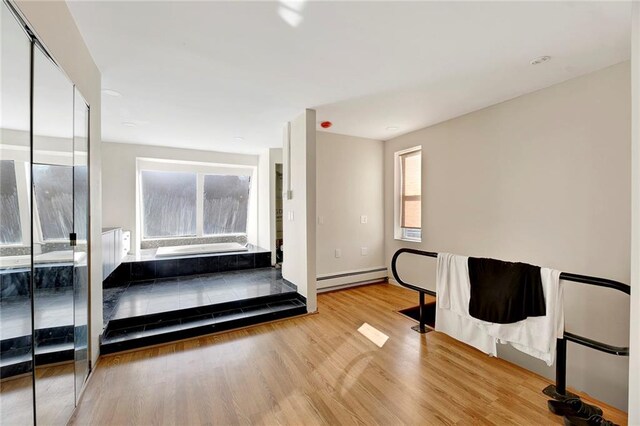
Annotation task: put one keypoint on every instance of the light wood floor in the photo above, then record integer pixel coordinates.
(318, 369)
(54, 395)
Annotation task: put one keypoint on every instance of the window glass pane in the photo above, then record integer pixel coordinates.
(168, 204)
(53, 186)
(411, 190)
(411, 233)
(226, 203)
(9, 210)
(81, 187)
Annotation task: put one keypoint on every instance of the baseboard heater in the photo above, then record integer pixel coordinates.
(351, 278)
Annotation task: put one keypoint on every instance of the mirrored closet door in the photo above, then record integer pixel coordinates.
(52, 185)
(81, 235)
(44, 238)
(16, 331)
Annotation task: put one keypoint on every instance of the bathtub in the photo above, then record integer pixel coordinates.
(200, 249)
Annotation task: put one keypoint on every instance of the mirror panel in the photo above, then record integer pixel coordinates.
(16, 355)
(44, 199)
(53, 257)
(81, 228)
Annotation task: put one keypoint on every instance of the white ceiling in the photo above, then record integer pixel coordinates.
(199, 74)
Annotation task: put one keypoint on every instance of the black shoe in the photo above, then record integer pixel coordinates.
(595, 420)
(573, 407)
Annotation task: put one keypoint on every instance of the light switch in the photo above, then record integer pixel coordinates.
(290, 215)
(364, 251)
(338, 253)
(320, 220)
(363, 219)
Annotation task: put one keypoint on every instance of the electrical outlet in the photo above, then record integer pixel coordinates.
(338, 253)
(363, 219)
(364, 251)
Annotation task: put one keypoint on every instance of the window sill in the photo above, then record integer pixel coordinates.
(192, 237)
(186, 241)
(408, 240)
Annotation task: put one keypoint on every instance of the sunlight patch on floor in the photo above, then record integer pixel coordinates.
(373, 334)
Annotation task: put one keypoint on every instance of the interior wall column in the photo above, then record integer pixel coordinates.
(634, 339)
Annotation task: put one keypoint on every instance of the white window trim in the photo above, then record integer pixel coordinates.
(200, 169)
(398, 233)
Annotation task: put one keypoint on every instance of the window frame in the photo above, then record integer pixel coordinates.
(400, 232)
(200, 169)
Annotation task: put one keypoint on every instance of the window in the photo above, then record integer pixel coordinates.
(189, 199)
(53, 193)
(168, 204)
(409, 194)
(10, 229)
(81, 200)
(52, 187)
(226, 204)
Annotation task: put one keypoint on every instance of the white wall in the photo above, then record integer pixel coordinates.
(545, 179)
(299, 226)
(275, 157)
(634, 360)
(267, 198)
(119, 177)
(349, 184)
(53, 24)
(264, 200)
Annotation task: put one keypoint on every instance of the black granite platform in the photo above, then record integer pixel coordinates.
(148, 312)
(53, 316)
(15, 282)
(146, 266)
(54, 330)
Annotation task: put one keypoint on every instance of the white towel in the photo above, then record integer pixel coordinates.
(452, 306)
(536, 336)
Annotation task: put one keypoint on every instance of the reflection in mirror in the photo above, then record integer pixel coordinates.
(80, 226)
(16, 359)
(52, 183)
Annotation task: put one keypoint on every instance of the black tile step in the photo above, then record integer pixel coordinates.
(177, 314)
(18, 361)
(187, 326)
(15, 366)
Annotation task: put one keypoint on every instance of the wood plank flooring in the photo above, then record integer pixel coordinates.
(318, 369)
(54, 395)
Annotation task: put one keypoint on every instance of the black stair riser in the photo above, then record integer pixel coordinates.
(15, 343)
(11, 370)
(214, 327)
(21, 345)
(54, 357)
(195, 311)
